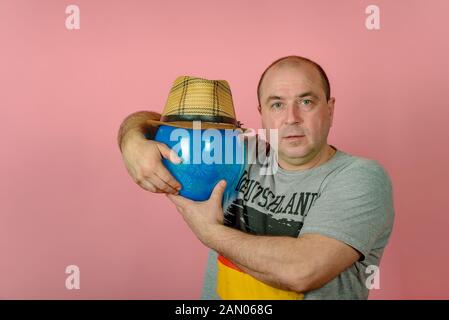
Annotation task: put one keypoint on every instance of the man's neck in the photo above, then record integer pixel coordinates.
(325, 154)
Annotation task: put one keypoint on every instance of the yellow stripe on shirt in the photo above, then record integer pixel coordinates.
(234, 284)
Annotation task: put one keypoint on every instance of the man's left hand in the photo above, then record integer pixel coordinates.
(202, 216)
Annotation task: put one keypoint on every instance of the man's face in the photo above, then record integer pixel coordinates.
(293, 101)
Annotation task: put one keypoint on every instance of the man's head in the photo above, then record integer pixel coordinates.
(294, 97)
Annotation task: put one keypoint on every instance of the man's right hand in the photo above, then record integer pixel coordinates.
(143, 160)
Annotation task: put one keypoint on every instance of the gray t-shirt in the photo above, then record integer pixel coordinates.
(348, 198)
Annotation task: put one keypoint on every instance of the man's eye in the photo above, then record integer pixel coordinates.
(307, 102)
(276, 105)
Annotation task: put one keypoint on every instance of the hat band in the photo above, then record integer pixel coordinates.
(187, 117)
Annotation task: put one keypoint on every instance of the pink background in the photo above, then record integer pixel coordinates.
(66, 198)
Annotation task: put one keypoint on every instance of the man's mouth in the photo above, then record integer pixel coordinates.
(293, 137)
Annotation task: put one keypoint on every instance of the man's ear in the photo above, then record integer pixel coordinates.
(331, 105)
(259, 108)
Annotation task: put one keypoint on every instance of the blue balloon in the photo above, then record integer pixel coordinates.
(208, 156)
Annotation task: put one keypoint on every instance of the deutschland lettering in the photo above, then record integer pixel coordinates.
(296, 203)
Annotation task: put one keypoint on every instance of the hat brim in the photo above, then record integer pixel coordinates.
(189, 125)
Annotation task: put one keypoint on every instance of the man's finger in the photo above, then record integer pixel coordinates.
(168, 153)
(180, 209)
(147, 185)
(217, 193)
(180, 201)
(161, 185)
(165, 176)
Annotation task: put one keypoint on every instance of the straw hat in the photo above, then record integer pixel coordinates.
(196, 99)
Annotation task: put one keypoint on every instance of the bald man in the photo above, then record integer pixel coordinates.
(312, 229)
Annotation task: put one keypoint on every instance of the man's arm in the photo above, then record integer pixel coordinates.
(297, 264)
(143, 157)
(136, 123)
(342, 226)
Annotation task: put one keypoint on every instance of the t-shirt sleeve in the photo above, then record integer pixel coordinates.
(355, 207)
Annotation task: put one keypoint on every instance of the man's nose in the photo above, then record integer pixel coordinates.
(293, 114)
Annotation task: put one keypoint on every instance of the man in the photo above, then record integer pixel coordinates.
(308, 231)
